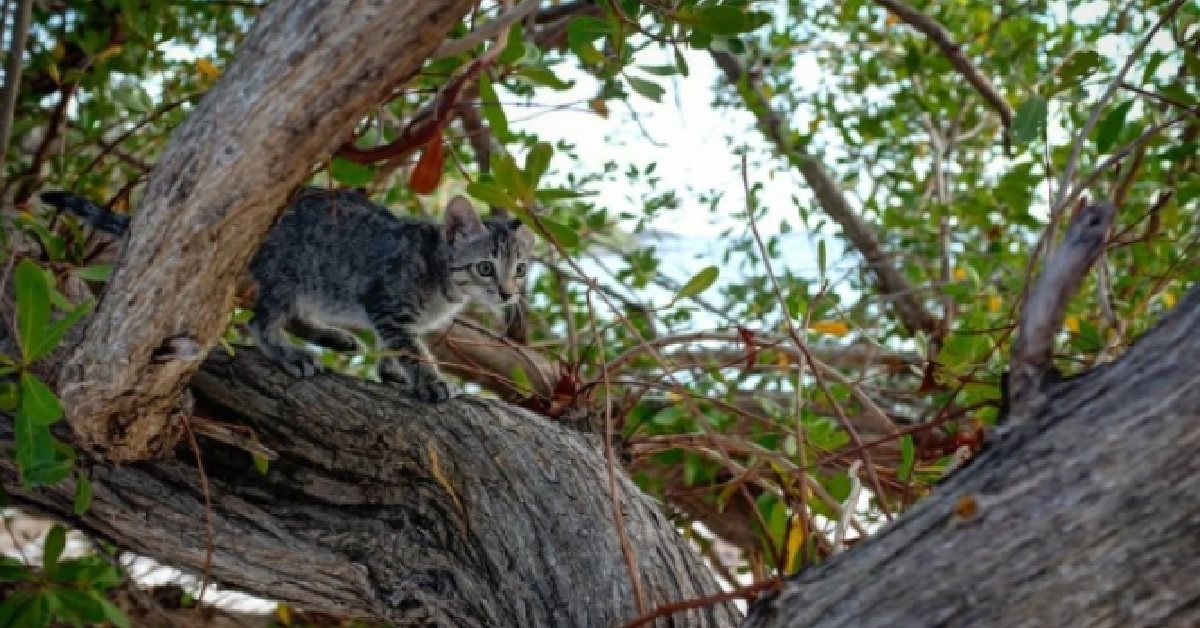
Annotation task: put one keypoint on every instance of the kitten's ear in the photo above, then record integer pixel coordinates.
(462, 221)
(522, 233)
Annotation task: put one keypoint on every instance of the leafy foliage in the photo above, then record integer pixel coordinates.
(709, 363)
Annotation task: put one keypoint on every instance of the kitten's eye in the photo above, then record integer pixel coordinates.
(485, 269)
(520, 269)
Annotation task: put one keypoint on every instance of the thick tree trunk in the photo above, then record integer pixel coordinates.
(470, 513)
(1086, 515)
(306, 74)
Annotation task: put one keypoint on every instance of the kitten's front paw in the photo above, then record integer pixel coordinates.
(434, 391)
(298, 364)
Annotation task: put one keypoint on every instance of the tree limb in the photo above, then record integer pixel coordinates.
(1043, 312)
(953, 51)
(307, 72)
(829, 194)
(1083, 516)
(470, 513)
(12, 73)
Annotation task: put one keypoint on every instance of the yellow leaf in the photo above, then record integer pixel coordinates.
(205, 67)
(59, 51)
(111, 51)
(960, 274)
(1168, 300)
(283, 614)
(599, 106)
(891, 20)
(795, 541)
(783, 359)
(994, 302)
(1072, 323)
(52, 70)
(833, 328)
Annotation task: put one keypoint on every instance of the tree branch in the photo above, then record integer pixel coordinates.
(1083, 516)
(953, 51)
(12, 74)
(1044, 310)
(307, 72)
(908, 307)
(471, 514)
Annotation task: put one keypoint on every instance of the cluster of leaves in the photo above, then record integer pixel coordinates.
(72, 591)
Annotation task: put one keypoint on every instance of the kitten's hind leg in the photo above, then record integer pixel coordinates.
(267, 327)
(410, 363)
(333, 338)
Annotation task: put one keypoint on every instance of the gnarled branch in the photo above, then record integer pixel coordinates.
(307, 72)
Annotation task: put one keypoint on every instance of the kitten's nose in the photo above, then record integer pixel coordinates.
(505, 295)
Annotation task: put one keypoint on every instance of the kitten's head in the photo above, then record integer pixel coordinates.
(488, 259)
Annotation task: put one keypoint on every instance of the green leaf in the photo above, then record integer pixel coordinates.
(668, 417)
(548, 195)
(521, 379)
(908, 454)
(114, 615)
(10, 606)
(543, 75)
(659, 70)
(493, 111)
(261, 463)
(537, 161)
(10, 396)
(52, 548)
(586, 28)
(1079, 66)
(723, 19)
(649, 89)
(680, 62)
(33, 305)
(53, 334)
(47, 473)
(821, 258)
(1030, 120)
(491, 194)
(699, 283)
(1110, 127)
(350, 173)
(95, 272)
(83, 493)
(12, 570)
(561, 233)
(38, 403)
(510, 177)
(34, 612)
(35, 445)
(80, 605)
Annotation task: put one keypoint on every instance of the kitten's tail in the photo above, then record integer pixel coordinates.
(99, 217)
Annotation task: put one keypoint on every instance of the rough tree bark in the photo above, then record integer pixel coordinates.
(470, 513)
(1086, 515)
(306, 74)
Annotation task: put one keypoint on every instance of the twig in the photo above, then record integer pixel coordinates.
(12, 74)
(803, 348)
(205, 575)
(910, 310)
(847, 507)
(953, 51)
(1120, 154)
(635, 579)
(745, 593)
(1061, 199)
(465, 43)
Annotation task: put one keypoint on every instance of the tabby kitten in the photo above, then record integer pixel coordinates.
(337, 260)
